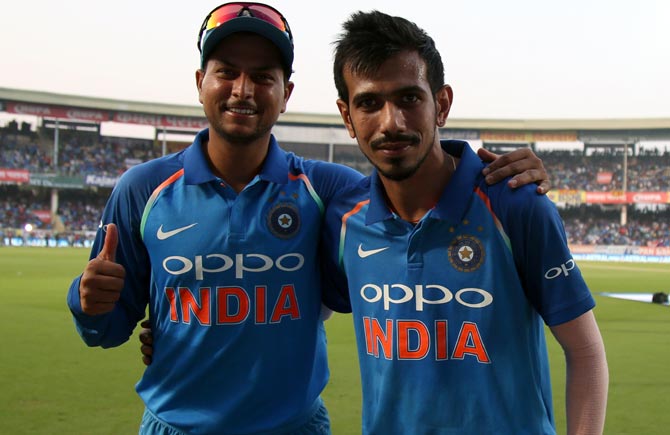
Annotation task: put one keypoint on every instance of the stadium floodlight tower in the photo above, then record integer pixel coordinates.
(624, 206)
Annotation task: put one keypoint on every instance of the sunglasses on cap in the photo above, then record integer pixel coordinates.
(226, 12)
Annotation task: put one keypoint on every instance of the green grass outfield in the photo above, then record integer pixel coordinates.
(51, 383)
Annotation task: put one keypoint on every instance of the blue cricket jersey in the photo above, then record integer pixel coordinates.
(449, 313)
(232, 284)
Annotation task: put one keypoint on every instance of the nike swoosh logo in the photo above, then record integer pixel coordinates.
(162, 235)
(363, 253)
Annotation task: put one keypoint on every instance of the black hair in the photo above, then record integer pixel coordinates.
(371, 38)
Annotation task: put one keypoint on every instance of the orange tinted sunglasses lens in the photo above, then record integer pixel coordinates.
(230, 11)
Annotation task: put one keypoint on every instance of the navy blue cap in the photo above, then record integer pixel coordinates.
(246, 23)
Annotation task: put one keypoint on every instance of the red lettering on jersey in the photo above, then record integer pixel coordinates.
(415, 340)
(287, 305)
(233, 305)
(225, 295)
(405, 327)
(190, 305)
(441, 340)
(470, 342)
(367, 327)
(378, 336)
(172, 298)
(261, 304)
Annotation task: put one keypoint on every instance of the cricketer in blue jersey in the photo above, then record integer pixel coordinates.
(233, 289)
(450, 281)
(219, 241)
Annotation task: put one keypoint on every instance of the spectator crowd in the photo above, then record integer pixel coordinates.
(647, 171)
(81, 153)
(590, 225)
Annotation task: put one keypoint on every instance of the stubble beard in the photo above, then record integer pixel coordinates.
(398, 172)
(240, 139)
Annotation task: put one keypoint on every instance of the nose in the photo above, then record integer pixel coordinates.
(243, 87)
(392, 119)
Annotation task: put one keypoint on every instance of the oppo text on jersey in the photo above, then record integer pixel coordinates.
(240, 263)
(564, 269)
(419, 295)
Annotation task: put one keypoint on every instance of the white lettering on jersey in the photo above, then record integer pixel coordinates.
(564, 269)
(240, 263)
(403, 293)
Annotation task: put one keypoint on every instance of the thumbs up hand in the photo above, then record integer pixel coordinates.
(101, 283)
(108, 251)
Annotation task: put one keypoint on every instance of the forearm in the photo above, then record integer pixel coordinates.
(586, 390)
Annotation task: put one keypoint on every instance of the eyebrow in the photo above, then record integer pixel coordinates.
(400, 91)
(260, 68)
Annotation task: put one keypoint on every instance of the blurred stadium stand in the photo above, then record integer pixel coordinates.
(611, 184)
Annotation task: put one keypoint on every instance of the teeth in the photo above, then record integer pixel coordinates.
(242, 111)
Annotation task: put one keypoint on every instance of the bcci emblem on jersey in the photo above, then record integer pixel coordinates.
(466, 253)
(284, 220)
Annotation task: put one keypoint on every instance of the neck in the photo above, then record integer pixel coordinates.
(413, 197)
(236, 163)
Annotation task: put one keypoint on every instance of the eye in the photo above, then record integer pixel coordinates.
(410, 99)
(368, 103)
(264, 78)
(226, 73)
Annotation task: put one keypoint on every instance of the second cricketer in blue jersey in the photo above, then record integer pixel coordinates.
(450, 281)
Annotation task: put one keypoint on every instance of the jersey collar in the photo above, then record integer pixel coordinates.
(196, 169)
(455, 198)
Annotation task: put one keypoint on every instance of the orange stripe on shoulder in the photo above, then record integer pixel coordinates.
(484, 198)
(171, 179)
(354, 210)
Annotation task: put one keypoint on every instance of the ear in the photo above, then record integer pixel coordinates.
(346, 117)
(199, 76)
(288, 90)
(443, 100)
